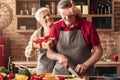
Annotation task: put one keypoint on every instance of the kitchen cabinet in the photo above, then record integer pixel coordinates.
(96, 11)
(109, 67)
(25, 20)
(100, 13)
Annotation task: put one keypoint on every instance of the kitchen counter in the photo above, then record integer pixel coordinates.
(109, 64)
(26, 63)
(34, 63)
(98, 64)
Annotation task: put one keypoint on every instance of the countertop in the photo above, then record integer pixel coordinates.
(99, 63)
(33, 64)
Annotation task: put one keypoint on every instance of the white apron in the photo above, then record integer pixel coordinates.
(72, 45)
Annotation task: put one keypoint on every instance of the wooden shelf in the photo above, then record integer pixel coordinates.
(28, 0)
(107, 20)
(101, 15)
(105, 30)
(25, 31)
(49, 0)
(25, 16)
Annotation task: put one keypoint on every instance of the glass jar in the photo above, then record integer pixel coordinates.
(33, 10)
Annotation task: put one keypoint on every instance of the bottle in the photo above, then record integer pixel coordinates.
(102, 9)
(108, 7)
(105, 9)
(82, 3)
(21, 12)
(10, 65)
(99, 9)
(53, 8)
(33, 10)
(27, 12)
(92, 11)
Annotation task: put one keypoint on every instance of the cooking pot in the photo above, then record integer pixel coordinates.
(111, 76)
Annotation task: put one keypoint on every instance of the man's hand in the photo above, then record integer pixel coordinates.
(80, 69)
(63, 60)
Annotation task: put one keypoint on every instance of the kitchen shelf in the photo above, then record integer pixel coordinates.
(92, 15)
(25, 16)
(25, 31)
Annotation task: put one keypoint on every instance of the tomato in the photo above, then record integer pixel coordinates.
(11, 76)
(41, 75)
(35, 77)
(32, 77)
(60, 78)
(1, 77)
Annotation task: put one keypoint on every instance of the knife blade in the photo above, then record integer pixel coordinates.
(73, 72)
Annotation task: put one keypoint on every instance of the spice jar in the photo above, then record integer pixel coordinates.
(33, 10)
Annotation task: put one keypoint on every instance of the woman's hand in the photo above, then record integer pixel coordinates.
(48, 43)
(81, 69)
(37, 46)
(63, 60)
(75, 11)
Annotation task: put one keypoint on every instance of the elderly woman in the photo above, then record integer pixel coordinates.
(45, 19)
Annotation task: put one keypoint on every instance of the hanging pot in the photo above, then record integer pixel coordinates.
(111, 76)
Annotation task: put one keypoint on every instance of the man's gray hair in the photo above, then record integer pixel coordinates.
(38, 12)
(62, 4)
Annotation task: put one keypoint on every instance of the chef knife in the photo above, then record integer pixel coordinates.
(73, 72)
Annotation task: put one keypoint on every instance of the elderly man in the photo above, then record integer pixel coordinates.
(74, 39)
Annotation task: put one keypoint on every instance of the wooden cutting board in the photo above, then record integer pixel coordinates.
(83, 78)
(75, 79)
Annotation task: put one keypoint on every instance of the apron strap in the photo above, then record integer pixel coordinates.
(42, 32)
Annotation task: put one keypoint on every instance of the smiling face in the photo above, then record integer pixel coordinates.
(46, 18)
(68, 16)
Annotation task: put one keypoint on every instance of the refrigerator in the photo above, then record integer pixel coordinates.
(2, 41)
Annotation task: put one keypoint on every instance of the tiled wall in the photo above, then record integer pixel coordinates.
(109, 40)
